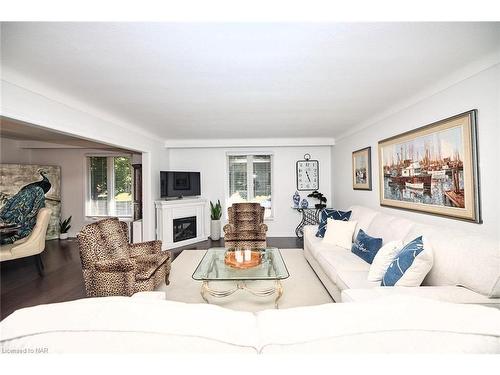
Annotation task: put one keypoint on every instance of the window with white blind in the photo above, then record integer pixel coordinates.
(109, 186)
(249, 179)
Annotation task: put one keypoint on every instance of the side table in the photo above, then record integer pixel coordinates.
(310, 216)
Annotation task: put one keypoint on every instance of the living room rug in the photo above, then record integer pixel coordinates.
(301, 288)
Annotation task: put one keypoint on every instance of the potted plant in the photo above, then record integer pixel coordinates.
(322, 200)
(64, 226)
(215, 215)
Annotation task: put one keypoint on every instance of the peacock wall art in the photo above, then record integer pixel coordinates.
(24, 189)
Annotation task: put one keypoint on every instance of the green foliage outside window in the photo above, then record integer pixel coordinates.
(123, 178)
(98, 177)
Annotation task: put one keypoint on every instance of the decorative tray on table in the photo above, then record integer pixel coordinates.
(243, 258)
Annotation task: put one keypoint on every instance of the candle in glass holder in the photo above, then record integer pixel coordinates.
(238, 255)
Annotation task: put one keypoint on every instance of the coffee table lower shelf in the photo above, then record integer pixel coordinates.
(276, 289)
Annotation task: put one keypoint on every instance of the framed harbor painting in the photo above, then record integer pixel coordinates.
(433, 169)
(362, 169)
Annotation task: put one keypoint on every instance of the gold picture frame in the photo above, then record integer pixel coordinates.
(433, 169)
(362, 169)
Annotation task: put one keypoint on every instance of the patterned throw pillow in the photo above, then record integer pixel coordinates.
(410, 266)
(365, 246)
(383, 260)
(330, 213)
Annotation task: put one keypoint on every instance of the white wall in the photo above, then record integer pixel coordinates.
(211, 162)
(11, 153)
(479, 92)
(71, 162)
(73, 181)
(35, 105)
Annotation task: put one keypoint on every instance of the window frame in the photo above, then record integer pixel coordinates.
(110, 170)
(249, 177)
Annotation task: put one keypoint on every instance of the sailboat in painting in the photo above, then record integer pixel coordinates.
(431, 165)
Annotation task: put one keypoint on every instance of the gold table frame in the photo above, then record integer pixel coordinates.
(241, 285)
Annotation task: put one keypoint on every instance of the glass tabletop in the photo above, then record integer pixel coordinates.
(213, 267)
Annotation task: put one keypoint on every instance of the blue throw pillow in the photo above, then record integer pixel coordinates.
(327, 213)
(403, 260)
(366, 247)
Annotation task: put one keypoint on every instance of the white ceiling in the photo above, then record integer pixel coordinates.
(200, 81)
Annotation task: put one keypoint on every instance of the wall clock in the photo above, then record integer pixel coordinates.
(307, 174)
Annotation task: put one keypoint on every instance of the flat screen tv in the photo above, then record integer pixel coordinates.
(179, 184)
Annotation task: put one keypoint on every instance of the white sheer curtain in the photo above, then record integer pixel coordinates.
(250, 180)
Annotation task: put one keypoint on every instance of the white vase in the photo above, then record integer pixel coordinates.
(63, 236)
(215, 230)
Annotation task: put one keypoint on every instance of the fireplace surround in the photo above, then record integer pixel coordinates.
(181, 222)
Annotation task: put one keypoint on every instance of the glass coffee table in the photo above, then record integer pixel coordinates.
(213, 268)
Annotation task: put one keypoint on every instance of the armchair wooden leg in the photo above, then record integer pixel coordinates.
(39, 265)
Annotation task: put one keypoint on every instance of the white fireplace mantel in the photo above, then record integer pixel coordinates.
(168, 210)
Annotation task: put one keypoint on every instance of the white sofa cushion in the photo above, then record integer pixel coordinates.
(389, 228)
(341, 259)
(383, 259)
(313, 243)
(354, 280)
(462, 259)
(442, 293)
(339, 233)
(363, 216)
(402, 342)
(396, 320)
(335, 260)
(121, 324)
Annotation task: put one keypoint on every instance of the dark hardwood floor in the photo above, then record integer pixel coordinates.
(21, 286)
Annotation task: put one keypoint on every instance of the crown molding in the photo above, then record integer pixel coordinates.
(249, 142)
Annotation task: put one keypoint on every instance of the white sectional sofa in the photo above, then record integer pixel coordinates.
(466, 267)
(122, 324)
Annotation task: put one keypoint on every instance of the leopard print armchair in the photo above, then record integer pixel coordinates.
(113, 267)
(246, 228)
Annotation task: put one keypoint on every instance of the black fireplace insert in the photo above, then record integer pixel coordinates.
(184, 228)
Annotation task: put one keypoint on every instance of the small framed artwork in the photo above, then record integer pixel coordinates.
(433, 169)
(362, 169)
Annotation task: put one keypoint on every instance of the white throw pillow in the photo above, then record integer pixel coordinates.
(339, 233)
(383, 259)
